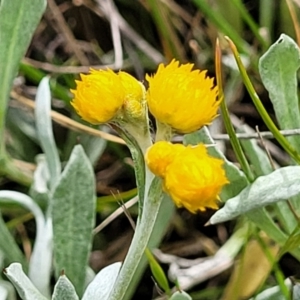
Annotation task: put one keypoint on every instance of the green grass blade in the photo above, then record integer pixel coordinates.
(250, 22)
(228, 125)
(170, 41)
(36, 76)
(222, 24)
(262, 111)
(10, 249)
(18, 21)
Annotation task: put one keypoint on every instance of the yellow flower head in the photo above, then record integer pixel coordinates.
(192, 178)
(159, 156)
(100, 95)
(182, 98)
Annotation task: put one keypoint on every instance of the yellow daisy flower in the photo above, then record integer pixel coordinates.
(100, 96)
(182, 98)
(192, 178)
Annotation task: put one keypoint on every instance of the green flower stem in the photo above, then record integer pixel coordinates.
(150, 193)
(138, 140)
(140, 241)
(259, 106)
(238, 239)
(163, 132)
(145, 142)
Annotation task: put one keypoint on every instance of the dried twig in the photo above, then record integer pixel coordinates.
(127, 30)
(67, 33)
(69, 69)
(276, 152)
(255, 135)
(69, 123)
(115, 214)
(110, 12)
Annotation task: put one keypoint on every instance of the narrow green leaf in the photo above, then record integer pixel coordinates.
(73, 214)
(262, 219)
(276, 269)
(24, 287)
(18, 20)
(102, 284)
(228, 10)
(279, 185)
(182, 295)
(249, 20)
(260, 107)
(162, 17)
(44, 129)
(221, 23)
(10, 249)
(237, 178)
(267, 15)
(20, 125)
(262, 166)
(292, 242)
(157, 272)
(64, 289)
(36, 75)
(278, 69)
(284, 216)
(235, 143)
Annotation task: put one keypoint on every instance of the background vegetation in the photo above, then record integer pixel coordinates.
(136, 36)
